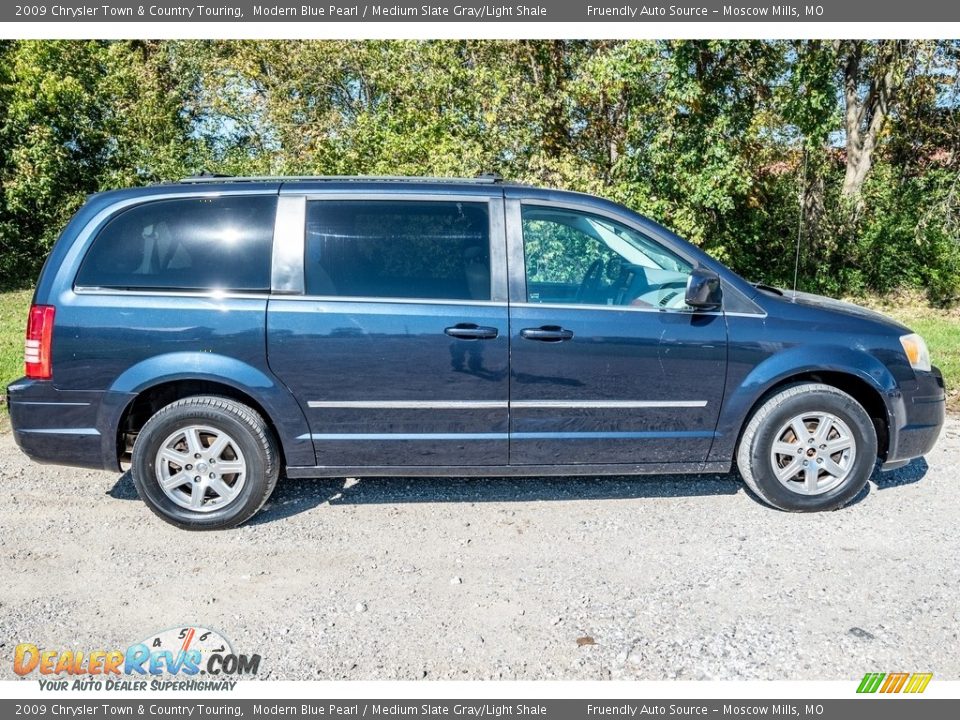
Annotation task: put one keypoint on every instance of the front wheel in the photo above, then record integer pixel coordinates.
(205, 463)
(809, 447)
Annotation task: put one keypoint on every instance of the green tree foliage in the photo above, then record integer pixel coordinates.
(79, 117)
(742, 146)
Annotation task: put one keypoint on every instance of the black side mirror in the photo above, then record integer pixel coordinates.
(703, 289)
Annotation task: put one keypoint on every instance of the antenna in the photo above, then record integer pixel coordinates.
(803, 197)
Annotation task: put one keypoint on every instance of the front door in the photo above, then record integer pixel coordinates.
(608, 364)
(398, 348)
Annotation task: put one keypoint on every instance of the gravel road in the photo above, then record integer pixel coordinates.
(671, 577)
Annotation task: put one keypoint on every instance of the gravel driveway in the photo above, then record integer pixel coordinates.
(671, 577)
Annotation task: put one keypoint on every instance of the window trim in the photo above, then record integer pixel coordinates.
(496, 238)
(88, 235)
(289, 244)
(173, 292)
(392, 301)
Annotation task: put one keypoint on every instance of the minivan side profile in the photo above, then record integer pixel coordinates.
(217, 333)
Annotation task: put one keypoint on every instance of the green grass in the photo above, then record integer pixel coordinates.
(940, 328)
(13, 325)
(943, 339)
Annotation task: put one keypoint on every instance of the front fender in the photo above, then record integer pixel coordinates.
(281, 407)
(744, 392)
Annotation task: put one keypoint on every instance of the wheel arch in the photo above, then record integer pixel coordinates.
(860, 390)
(855, 372)
(145, 404)
(161, 380)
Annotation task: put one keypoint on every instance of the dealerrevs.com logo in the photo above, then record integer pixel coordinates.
(184, 658)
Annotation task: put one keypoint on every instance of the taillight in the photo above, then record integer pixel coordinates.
(36, 353)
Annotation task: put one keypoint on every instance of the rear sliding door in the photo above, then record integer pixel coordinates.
(397, 348)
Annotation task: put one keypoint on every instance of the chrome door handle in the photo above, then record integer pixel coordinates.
(470, 331)
(547, 333)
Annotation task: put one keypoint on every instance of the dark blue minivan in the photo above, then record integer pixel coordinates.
(219, 332)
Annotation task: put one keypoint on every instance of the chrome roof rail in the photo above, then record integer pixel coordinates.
(484, 179)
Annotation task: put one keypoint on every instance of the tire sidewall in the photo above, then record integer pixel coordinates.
(861, 427)
(159, 428)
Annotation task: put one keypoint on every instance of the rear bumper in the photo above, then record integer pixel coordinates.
(917, 419)
(61, 427)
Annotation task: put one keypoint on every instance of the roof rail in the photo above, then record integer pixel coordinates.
(205, 177)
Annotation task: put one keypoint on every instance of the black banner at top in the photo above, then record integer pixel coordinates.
(467, 11)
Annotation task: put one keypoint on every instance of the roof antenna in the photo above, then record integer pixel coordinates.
(803, 198)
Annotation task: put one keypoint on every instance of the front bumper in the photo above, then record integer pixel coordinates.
(917, 420)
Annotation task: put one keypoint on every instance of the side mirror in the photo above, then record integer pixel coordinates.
(703, 289)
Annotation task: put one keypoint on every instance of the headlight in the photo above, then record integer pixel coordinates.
(916, 350)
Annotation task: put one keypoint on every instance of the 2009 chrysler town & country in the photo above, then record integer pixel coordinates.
(217, 332)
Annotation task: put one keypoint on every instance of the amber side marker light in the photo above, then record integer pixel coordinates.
(916, 351)
(37, 363)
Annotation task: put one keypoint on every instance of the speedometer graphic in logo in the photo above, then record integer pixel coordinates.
(185, 639)
(188, 650)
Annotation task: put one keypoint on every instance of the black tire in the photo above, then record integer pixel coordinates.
(242, 425)
(762, 430)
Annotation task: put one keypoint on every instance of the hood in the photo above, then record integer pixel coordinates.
(840, 306)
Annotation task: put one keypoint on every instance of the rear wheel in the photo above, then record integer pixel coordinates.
(809, 447)
(205, 463)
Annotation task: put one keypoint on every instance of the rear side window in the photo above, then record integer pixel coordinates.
(222, 243)
(398, 249)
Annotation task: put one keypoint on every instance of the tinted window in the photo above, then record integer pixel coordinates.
(574, 257)
(190, 244)
(398, 249)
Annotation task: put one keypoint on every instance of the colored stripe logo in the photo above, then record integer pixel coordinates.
(888, 683)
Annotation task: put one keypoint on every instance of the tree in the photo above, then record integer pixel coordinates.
(81, 117)
(721, 140)
(872, 72)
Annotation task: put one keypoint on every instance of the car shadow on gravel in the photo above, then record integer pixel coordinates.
(912, 472)
(293, 497)
(123, 488)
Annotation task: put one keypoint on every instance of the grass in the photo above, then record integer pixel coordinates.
(943, 339)
(940, 328)
(13, 325)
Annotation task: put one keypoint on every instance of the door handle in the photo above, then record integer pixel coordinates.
(469, 331)
(547, 333)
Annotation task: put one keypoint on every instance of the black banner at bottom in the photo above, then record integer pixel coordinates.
(873, 707)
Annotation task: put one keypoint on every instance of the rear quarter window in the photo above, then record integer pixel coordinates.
(222, 243)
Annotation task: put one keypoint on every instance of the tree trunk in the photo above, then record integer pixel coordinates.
(812, 205)
(869, 86)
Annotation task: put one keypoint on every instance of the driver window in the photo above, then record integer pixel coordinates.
(579, 258)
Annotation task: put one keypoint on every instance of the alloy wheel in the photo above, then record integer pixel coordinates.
(813, 453)
(200, 468)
